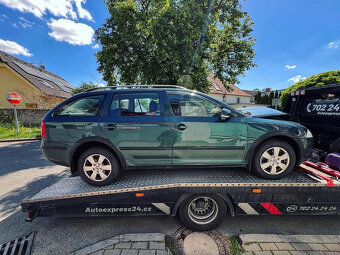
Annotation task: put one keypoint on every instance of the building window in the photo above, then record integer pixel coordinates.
(238, 100)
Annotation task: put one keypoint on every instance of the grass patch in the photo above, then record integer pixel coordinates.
(235, 247)
(8, 131)
(169, 243)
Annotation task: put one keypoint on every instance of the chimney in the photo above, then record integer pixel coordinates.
(41, 66)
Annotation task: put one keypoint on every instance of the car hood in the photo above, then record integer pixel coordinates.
(260, 111)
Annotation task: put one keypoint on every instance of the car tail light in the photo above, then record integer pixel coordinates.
(43, 134)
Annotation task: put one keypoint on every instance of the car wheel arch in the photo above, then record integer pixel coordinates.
(287, 137)
(84, 143)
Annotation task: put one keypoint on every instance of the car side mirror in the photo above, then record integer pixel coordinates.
(225, 114)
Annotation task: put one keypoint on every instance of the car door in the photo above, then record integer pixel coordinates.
(137, 126)
(200, 136)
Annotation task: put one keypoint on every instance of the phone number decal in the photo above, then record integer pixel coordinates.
(324, 109)
(302, 208)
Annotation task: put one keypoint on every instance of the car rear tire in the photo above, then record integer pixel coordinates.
(98, 167)
(202, 212)
(274, 159)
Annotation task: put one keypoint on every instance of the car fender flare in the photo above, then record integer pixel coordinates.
(99, 140)
(259, 140)
(184, 196)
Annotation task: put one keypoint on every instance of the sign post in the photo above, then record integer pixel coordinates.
(14, 99)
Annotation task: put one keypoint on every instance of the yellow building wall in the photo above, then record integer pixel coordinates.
(10, 81)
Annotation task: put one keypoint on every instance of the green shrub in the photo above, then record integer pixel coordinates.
(6, 117)
(326, 78)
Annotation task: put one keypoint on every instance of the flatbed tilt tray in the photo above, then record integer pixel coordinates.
(201, 197)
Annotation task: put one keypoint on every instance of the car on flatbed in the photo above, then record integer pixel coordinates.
(104, 131)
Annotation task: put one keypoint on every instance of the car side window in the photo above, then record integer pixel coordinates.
(84, 106)
(135, 104)
(190, 105)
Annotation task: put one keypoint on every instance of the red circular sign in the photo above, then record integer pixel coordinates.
(13, 98)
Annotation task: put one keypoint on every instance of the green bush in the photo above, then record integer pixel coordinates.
(6, 117)
(326, 78)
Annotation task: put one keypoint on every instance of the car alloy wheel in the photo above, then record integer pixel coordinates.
(97, 167)
(274, 160)
(203, 210)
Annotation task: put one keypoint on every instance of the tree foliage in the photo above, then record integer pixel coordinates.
(159, 41)
(326, 78)
(83, 87)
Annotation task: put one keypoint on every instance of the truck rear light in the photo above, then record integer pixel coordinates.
(43, 133)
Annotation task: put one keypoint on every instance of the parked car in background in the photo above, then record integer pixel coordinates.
(107, 130)
(318, 109)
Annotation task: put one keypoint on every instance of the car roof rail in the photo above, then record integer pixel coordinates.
(136, 87)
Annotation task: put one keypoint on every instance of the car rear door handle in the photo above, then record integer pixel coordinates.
(110, 126)
(180, 127)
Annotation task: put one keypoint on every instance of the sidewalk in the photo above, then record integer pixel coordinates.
(256, 244)
(129, 244)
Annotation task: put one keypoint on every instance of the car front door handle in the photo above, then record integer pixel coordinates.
(110, 126)
(180, 127)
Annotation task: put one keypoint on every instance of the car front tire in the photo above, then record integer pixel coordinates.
(98, 167)
(274, 159)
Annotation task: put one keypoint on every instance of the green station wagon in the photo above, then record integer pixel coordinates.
(104, 131)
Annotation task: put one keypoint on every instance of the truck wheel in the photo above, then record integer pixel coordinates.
(274, 159)
(98, 167)
(202, 212)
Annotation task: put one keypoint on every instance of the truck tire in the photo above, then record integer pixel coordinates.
(274, 159)
(98, 167)
(202, 212)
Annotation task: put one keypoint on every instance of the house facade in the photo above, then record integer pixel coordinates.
(38, 88)
(233, 96)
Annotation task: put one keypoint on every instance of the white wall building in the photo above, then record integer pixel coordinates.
(235, 96)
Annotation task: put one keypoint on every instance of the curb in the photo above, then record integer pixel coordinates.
(269, 238)
(144, 237)
(19, 140)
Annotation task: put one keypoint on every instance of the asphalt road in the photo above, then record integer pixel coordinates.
(24, 172)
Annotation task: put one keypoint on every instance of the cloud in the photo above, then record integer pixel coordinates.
(96, 46)
(297, 78)
(334, 45)
(14, 48)
(3, 17)
(25, 23)
(71, 32)
(59, 8)
(289, 67)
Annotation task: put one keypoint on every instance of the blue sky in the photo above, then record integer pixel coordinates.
(295, 38)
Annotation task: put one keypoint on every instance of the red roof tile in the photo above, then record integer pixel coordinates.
(218, 88)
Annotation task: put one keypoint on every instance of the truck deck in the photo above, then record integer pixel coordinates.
(160, 192)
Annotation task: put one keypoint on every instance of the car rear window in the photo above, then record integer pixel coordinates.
(84, 106)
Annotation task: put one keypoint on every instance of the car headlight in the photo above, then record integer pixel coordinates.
(309, 134)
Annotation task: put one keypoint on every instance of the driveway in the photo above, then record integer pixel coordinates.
(24, 172)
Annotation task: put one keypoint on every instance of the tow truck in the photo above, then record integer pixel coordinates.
(201, 197)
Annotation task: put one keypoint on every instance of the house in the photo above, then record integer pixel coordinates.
(233, 96)
(38, 88)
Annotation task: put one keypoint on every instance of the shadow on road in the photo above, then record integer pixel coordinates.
(10, 201)
(18, 156)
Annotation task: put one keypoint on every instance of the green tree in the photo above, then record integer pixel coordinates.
(83, 87)
(326, 78)
(159, 41)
